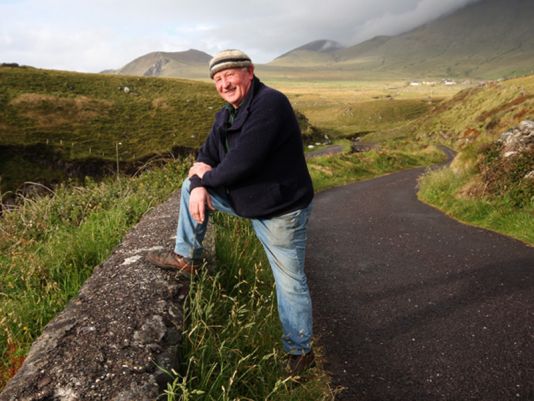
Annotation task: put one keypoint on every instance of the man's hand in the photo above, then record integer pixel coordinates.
(198, 200)
(199, 168)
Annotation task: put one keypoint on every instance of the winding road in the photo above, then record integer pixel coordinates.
(411, 305)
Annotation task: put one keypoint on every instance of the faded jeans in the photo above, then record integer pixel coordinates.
(284, 241)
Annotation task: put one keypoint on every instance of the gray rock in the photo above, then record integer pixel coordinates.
(526, 126)
(518, 139)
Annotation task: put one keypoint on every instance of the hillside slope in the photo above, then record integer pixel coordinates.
(490, 182)
(487, 39)
(52, 122)
(480, 113)
(87, 114)
(490, 38)
(318, 52)
(190, 63)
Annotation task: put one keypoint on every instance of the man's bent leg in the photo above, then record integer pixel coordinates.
(284, 241)
(190, 233)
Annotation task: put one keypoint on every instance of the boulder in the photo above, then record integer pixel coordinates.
(518, 139)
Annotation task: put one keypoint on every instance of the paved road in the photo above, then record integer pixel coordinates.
(410, 305)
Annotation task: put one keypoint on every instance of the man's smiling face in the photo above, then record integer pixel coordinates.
(233, 84)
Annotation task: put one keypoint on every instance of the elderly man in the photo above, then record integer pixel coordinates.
(252, 165)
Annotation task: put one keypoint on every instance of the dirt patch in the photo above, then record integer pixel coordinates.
(160, 103)
(52, 111)
(504, 107)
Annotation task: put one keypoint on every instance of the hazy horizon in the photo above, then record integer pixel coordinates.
(93, 36)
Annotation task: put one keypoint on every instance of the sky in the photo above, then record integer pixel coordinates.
(95, 35)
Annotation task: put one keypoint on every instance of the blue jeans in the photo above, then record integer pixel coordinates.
(284, 240)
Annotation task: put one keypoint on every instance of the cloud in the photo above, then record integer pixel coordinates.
(99, 34)
(393, 24)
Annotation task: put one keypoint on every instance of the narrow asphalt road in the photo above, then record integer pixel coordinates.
(411, 305)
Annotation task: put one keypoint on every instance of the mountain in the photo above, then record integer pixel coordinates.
(318, 52)
(489, 38)
(165, 64)
(485, 39)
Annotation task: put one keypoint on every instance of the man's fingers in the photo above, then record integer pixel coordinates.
(201, 213)
(199, 200)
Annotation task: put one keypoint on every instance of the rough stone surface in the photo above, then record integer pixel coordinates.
(518, 139)
(110, 341)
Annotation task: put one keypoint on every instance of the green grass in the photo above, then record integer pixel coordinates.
(478, 114)
(231, 345)
(342, 108)
(90, 115)
(336, 170)
(480, 187)
(441, 189)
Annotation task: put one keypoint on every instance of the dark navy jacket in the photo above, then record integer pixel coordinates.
(264, 172)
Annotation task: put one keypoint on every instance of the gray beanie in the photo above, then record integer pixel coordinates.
(230, 58)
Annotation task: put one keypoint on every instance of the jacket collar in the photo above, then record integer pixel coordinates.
(244, 108)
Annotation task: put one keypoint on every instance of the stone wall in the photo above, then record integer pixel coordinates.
(111, 340)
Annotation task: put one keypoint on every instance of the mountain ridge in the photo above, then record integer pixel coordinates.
(159, 63)
(487, 39)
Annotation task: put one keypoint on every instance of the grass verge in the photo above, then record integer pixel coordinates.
(335, 170)
(440, 188)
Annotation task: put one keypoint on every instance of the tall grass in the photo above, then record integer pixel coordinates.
(231, 349)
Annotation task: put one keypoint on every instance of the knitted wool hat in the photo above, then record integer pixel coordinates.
(230, 58)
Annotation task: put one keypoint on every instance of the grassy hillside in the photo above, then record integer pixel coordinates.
(344, 108)
(53, 120)
(485, 185)
(488, 39)
(479, 114)
(86, 115)
(190, 63)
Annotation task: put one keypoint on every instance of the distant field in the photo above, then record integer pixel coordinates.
(350, 107)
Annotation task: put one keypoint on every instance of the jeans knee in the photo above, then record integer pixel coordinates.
(293, 284)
